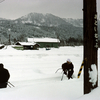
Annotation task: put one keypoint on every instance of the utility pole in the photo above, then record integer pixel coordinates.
(9, 41)
(90, 45)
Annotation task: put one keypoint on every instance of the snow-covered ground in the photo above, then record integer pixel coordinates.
(33, 74)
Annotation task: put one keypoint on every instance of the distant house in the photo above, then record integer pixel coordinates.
(26, 46)
(2, 46)
(45, 42)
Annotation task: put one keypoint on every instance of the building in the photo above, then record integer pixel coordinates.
(2, 46)
(26, 46)
(45, 42)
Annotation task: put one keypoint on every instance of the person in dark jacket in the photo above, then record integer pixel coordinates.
(4, 76)
(68, 68)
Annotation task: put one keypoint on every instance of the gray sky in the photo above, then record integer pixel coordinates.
(12, 9)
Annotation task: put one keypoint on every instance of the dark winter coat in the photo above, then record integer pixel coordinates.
(68, 69)
(4, 76)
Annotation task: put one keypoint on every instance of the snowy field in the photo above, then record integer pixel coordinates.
(33, 74)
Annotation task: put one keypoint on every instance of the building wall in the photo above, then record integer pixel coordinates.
(48, 44)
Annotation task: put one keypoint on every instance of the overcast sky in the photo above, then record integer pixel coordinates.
(12, 9)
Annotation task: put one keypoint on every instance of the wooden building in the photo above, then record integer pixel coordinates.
(45, 42)
(26, 46)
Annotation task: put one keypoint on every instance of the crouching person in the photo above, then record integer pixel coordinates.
(4, 76)
(68, 68)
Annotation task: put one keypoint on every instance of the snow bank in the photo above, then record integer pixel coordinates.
(93, 75)
(33, 74)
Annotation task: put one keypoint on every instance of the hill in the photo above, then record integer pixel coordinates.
(42, 25)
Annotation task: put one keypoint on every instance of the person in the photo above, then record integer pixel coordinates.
(4, 76)
(68, 68)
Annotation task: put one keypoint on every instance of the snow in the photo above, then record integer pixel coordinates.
(43, 20)
(93, 75)
(33, 74)
(43, 40)
(1, 44)
(27, 43)
(26, 22)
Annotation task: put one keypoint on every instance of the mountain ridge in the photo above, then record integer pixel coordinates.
(42, 25)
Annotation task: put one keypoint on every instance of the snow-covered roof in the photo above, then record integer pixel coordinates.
(27, 43)
(1, 44)
(43, 40)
